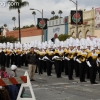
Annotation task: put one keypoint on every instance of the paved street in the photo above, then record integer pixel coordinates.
(52, 88)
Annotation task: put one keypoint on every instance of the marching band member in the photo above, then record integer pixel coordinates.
(58, 56)
(65, 60)
(70, 57)
(8, 55)
(78, 52)
(41, 54)
(92, 63)
(3, 55)
(82, 63)
(98, 52)
(48, 57)
(18, 55)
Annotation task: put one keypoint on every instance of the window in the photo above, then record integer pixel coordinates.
(52, 22)
(49, 23)
(59, 21)
(56, 22)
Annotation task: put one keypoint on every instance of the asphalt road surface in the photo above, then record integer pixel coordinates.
(52, 88)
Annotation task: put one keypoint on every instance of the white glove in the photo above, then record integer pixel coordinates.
(78, 60)
(88, 63)
(67, 58)
(63, 58)
(55, 57)
(39, 58)
(74, 58)
(45, 57)
(98, 60)
(42, 58)
(21, 55)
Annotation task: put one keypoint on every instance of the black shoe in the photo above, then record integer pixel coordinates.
(49, 75)
(71, 79)
(94, 83)
(59, 77)
(32, 80)
(84, 81)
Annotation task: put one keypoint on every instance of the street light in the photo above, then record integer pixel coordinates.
(42, 18)
(76, 3)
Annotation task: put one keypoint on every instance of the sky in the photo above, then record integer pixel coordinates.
(27, 18)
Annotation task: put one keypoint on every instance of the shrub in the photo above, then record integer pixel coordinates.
(11, 39)
(63, 37)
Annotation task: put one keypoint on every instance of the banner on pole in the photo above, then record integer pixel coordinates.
(78, 17)
(42, 23)
(97, 18)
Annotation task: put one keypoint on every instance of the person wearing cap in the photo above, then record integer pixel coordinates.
(92, 62)
(58, 57)
(71, 54)
(32, 61)
(48, 58)
(81, 59)
(78, 52)
(13, 71)
(41, 55)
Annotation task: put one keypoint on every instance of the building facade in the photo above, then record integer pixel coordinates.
(27, 35)
(57, 26)
(87, 28)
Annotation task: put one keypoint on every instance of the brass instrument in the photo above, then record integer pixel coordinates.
(60, 53)
(78, 53)
(8, 52)
(89, 54)
(41, 53)
(56, 51)
(60, 58)
(66, 51)
(18, 52)
(83, 57)
(94, 57)
(71, 55)
(50, 53)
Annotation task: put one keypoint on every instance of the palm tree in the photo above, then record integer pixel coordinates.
(53, 13)
(60, 12)
(34, 13)
(18, 6)
(14, 18)
(5, 25)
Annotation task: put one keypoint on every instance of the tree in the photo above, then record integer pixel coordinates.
(11, 39)
(63, 37)
(18, 6)
(32, 25)
(56, 17)
(60, 12)
(53, 13)
(14, 18)
(5, 25)
(34, 13)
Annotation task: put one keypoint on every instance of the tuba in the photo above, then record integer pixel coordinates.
(70, 55)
